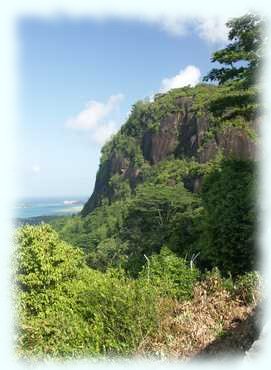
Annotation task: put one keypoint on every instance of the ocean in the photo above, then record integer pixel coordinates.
(36, 207)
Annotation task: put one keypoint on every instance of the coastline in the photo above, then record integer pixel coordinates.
(35, 210)
(36, 220)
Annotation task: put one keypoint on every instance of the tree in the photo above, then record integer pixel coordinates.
(242, 57)
(156, 216)
(229, 223)
(44, 261)
(236, 102)
(48, 281)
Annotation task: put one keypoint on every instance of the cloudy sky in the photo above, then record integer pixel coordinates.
(78, 80)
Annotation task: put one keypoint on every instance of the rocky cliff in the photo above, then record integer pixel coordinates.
(178, 124)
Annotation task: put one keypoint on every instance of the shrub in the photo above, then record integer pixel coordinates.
(196, 326)
(43, 261)
(213, 281)
(247, 287)
(170, 275)
(243, 287)
(66, 309)
(47, 272)
(119, 311)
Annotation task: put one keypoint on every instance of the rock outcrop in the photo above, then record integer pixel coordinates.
(181, 133)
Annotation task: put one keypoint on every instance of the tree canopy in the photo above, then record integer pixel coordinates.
(242, 57)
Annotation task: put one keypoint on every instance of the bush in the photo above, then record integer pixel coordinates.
(247, 287)
(43, 261)
(66, 309)
(213, 281)
(244, 287)
(47, 275)
(170, 275)
(119, 311)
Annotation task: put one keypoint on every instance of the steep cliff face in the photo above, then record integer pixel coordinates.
(176, 125)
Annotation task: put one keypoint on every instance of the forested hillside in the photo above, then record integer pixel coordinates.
(172, 218)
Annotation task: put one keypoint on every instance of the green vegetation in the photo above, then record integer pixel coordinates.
(158, 215)
(228, 233)
(158, 236)
(68, 309)
(246, 36)
(170, 275)
(219, 223)
(237, 102)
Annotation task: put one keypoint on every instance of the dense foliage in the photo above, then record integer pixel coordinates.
(171, 275)
(68, 309)
(219, 223)
(228, 198)
(238, 101)
(241, 58)
(158, 215)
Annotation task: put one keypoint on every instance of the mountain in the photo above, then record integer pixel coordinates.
(186, 124)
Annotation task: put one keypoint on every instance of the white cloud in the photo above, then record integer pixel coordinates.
(94, 112)
(188, 76)
(95, 119)
(104, 132)
(211, 29)
(174, 26)
(36, 168)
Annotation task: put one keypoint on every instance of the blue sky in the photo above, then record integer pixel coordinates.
(78, 80)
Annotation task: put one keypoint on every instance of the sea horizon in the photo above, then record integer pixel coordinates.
(36, 206)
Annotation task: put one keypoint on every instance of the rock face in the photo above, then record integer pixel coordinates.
(180, 134)
(158, 145)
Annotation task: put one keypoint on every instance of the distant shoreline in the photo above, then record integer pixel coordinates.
(32, 210)
(36, 220)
